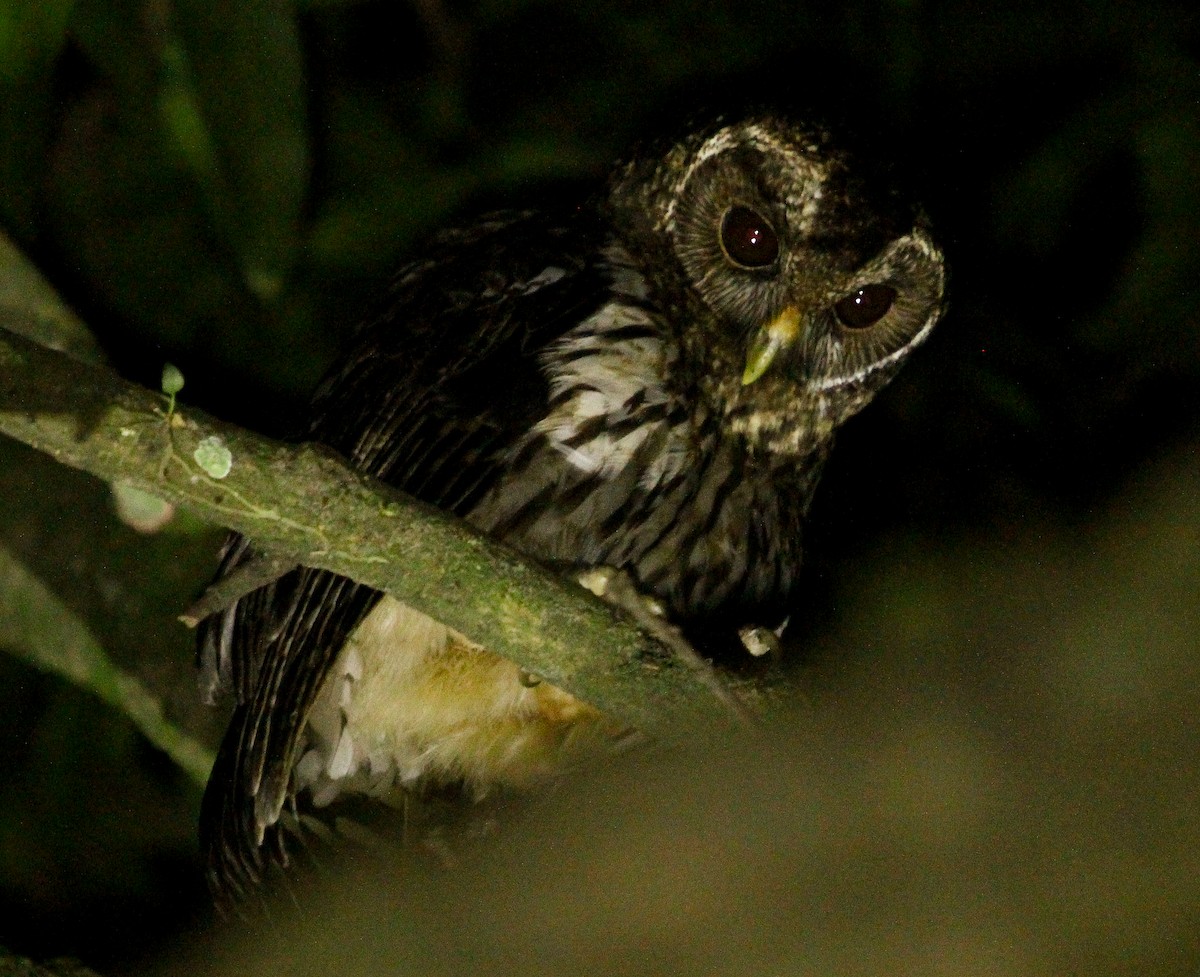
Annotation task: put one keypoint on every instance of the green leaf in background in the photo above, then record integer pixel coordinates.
(32, 33)
(36, 625)
(176, 181)
(371, 216)
(246, 63)
(136, 225)
(186, 130)
(50, 322)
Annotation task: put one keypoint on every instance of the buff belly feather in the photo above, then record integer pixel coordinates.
(410, 701)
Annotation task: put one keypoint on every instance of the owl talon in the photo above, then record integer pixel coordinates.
(760, 641)
(597, 580)
(617, 588)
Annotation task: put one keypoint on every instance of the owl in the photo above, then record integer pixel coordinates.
(648, 383)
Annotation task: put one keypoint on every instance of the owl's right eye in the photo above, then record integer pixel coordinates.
(747, 239)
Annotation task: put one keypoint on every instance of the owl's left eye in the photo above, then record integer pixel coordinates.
(747, 239)
(866, 306)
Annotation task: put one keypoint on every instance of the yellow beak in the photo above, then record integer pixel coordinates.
(777, 334)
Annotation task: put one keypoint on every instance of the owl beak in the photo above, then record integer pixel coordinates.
(776, 335)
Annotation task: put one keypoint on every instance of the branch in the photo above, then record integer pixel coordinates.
(302, 502)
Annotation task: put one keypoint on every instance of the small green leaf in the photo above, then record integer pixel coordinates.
(212, 455)
(172, 379)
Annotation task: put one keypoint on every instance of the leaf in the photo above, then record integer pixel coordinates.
(172, 380)
(47, 318)
(134, 226)
(245, 64)
(39, 628)
(31, 37)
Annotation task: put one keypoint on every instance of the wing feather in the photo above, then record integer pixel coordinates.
(443, 380)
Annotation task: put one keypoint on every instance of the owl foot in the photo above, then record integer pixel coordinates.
(760, 640)
(617, 588)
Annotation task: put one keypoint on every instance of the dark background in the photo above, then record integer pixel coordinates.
(225, 185)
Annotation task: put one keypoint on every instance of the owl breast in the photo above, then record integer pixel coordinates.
(624, 470)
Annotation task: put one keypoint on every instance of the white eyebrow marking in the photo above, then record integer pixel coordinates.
(808, 174)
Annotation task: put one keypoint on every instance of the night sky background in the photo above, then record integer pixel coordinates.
(226, 185)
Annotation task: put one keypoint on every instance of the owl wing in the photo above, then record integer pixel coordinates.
(440, 384)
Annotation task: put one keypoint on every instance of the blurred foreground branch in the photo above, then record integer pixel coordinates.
(13, 966)
(302, 502)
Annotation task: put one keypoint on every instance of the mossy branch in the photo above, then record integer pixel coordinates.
(303, 503)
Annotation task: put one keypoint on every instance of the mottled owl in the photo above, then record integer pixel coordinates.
(649, 381)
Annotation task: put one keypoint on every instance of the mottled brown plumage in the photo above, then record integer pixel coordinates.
(649, 382)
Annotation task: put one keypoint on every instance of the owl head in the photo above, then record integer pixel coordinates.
(797, 286)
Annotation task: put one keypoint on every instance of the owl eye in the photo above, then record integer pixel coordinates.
(747, 239)
(866, 306)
